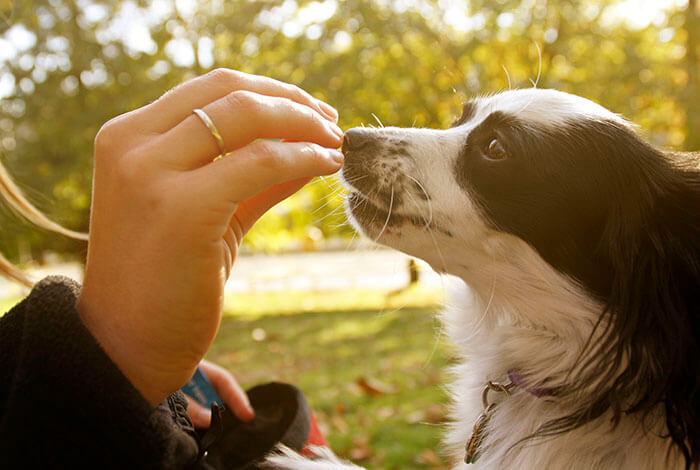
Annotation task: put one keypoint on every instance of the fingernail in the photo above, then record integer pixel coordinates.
(337, 156)
(328, 110)
(336, 130)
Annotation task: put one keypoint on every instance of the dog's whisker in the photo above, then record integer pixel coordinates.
(386, 223)
(355, 179)
(329, 201)
(328, 180)
(352, 239)
(335, 190)
(427, 198)
(539, 69)
(527, 104)
(484, 314)
(330, 214)
(439, 334)
(380, 122)
(332, 183)
(324, 178)
(510, 86)
(384, 313)
(437, 248)
(374, 216)
(425, 221)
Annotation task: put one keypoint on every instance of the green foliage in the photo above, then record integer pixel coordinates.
(404, 63)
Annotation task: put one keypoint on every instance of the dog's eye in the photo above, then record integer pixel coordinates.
(496, 151)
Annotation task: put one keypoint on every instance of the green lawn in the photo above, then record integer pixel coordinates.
(373, 378)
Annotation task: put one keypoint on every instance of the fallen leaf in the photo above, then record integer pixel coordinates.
(360, 453)
(432, 378)
(354, 389)
(367, 421)
(360, 440)
(435, 414)
(418, 416)
(374, 387)
(386, 412)
(361, 449)
(428, 457)
(340, 424)
(339, 408)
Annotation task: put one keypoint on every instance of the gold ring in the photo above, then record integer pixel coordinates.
(212, 128)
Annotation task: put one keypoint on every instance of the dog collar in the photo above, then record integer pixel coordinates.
(478, 433)
(517, 379)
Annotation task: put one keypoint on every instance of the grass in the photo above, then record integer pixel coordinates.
(373, 378)
(294, 302)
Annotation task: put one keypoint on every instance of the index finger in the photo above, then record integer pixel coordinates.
(176, 104)
(229, 390)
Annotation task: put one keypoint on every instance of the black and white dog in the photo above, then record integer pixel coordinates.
(580, 246)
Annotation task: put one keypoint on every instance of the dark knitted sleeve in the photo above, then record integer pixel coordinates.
(64, 403)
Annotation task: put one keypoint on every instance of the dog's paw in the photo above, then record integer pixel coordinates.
(284, 458)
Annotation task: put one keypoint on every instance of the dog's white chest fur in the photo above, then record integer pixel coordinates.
(489, 354)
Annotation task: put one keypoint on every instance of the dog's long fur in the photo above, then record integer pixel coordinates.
(580, 246)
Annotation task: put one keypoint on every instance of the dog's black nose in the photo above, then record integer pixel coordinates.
(356, 138)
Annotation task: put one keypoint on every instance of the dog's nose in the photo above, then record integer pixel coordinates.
(356, 138)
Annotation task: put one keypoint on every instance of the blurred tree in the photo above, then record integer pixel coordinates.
(692, 27)
(67, 66)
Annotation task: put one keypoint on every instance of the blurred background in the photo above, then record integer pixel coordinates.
(310, 302)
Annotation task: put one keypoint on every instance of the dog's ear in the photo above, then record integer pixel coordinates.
(652, 320)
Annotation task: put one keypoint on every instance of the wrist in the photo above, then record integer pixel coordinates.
(128, 352)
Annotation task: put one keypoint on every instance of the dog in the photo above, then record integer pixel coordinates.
(579, 247)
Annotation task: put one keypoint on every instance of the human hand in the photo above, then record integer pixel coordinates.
(228, 389)
(166, 220)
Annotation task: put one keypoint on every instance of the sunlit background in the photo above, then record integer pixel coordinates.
(311, 302)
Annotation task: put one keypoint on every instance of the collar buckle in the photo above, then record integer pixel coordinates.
(478, 433)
